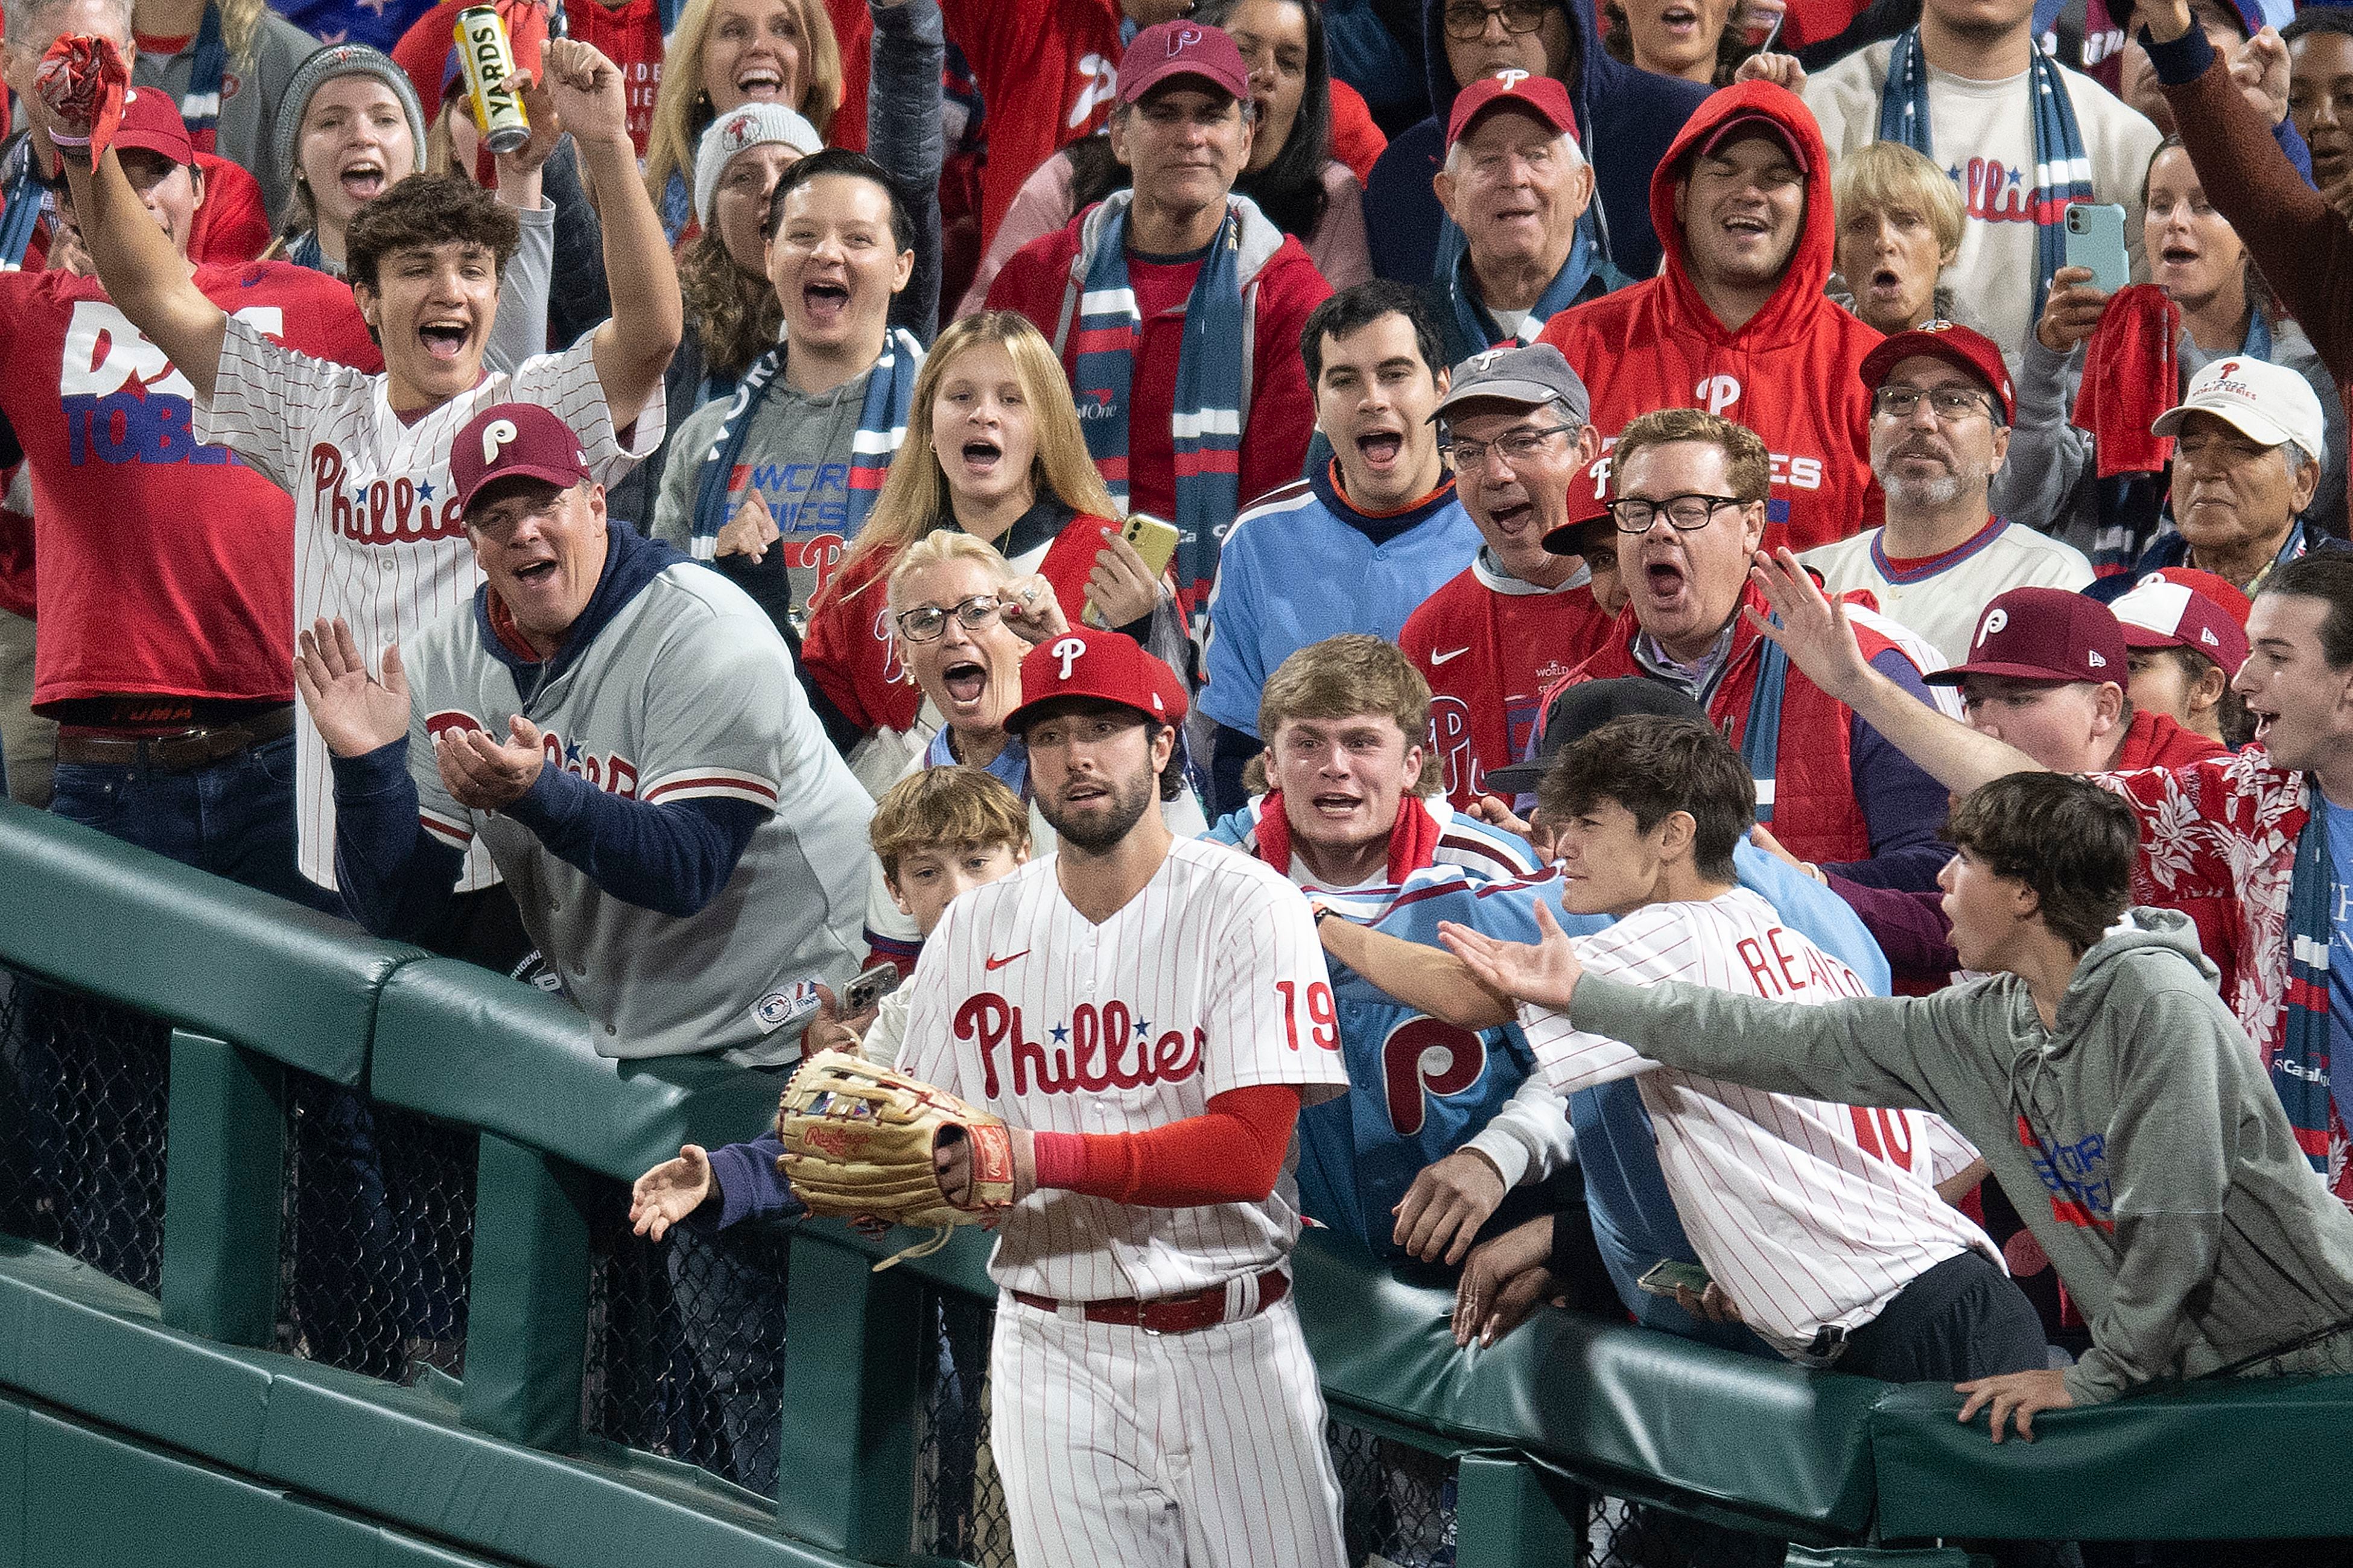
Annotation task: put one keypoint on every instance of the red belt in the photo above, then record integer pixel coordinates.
(1169, 1314)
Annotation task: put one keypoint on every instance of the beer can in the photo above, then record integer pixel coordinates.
(488, 60)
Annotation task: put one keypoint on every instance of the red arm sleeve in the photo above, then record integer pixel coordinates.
(1231, 1153)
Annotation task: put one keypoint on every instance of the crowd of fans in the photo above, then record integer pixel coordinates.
(1469, 402)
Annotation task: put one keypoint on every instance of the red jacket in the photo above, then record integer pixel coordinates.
(1790, 374)
(1280, 286)
(849, 651)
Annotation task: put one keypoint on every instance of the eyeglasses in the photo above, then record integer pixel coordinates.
(1948, 403)
(1467, 22)
(1471, 457)
(929, 622)
(1685, 514)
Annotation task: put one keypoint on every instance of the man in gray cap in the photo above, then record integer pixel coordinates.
(1518, 618)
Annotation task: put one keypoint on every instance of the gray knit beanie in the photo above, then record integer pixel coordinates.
(324, 66)
(752, 125)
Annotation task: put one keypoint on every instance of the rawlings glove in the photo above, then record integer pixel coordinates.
(858, 1142)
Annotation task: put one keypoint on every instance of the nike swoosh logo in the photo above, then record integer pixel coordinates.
(993, 963)
(1437, 658)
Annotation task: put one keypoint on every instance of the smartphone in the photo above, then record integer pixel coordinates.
(2096, 239)
(1666, 1274)
(869, 988)
(1154, 540)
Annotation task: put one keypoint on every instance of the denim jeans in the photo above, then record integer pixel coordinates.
(235, 819)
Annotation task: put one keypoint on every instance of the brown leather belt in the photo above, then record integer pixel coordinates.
(1169, 1314)
(177, 751)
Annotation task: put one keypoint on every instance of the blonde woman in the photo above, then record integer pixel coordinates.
(725, 53)
(993, 450)
(226, 64)
(1899, 227)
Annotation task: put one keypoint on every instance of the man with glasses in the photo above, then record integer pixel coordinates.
(1626, 118)
(1689, 491)
(1518, 618)
(1941, 412)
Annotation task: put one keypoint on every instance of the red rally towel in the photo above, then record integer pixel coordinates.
(2130, 377)
(83, 80)
(1413, 838)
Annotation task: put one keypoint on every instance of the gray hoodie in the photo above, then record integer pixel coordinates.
(2139, 1138)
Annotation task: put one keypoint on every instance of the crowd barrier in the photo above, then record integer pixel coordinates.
(313, 1253)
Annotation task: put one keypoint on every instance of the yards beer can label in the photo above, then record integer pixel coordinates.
(488, 60)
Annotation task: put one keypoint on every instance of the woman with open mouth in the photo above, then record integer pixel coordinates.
(993, 450)
(722, 55)
(1292, 174)
(2205, 293)
(1692, 39)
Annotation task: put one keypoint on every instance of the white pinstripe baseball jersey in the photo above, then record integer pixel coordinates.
(1207, 980)
(377, 538)
(1810, 1214)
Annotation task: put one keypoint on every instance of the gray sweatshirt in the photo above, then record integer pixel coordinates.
(2140, 1139)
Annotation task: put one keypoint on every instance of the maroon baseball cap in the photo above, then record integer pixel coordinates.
(1955, 345)
(2160, 612)
(2044, 633)
(516, 441)
(1541, 96)
(1756, 123)
(151, 123)
(1109, 667)
(1167, 49)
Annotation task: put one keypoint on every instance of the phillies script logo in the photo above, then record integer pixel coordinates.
(1426, 1056)
(395, 512)
(1104, 1047)
(613, 774)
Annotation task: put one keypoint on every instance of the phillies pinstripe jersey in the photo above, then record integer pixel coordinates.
(1210, 979)
(377, 538)
(684, 692)
(1812, 1215)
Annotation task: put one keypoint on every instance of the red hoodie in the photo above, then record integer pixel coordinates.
(1790, 374)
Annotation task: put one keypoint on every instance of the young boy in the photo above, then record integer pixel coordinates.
(938, 833)
(2095, 1061)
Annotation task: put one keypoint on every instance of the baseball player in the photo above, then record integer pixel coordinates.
(379, 540)
(1148, 1014)
(621, 728)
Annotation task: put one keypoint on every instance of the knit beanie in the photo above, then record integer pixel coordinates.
(752, 125)
(324, 66)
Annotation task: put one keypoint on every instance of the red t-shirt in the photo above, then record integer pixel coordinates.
(1490, 654)
(165, 567)
(1047, 77)
(232, 223)
(629, 35)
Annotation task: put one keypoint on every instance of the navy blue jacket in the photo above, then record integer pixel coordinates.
(1626, 118)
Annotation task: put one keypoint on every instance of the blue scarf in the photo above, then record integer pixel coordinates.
(200, 105)
(1760, 742)
(1208, 423)
(1478, 329)
(881, 425)
(26, 200)
(2300, 1067)
(2063, 170)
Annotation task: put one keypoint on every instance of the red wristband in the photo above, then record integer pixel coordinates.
(1060, 1158)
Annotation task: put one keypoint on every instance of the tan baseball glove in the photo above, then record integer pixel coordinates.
(858, 1142)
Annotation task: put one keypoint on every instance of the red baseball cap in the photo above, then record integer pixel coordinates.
(1167, 49)
(1109, 667)
(1756, 123)
(2044, 633)
(1541, 96)
(2162, 612)
(516, 441)
(151, 123)
(1955, 345)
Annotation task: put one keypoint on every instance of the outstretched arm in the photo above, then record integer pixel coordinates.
(1816, 634)
(1428, 979)
(648, 317)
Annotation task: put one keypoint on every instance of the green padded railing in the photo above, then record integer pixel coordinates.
(499, 1468)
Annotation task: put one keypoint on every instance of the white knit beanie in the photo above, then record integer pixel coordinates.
(752, 125)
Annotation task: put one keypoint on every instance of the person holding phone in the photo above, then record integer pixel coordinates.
(994, 450)
(2094, 378)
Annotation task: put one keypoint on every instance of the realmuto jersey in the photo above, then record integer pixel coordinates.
(377, 538)
(1810, 1214)
(1210, 979)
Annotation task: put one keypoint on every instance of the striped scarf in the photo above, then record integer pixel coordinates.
(1208, 423)
(1480, 329)
(200, 105)
(27, 202)
(881, 425)
(2300, 1066)
(2063, 170)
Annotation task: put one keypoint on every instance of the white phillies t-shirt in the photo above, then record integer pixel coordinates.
(1210, 979)
(1942, 599)
(377, 538)
(1810, 1214)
